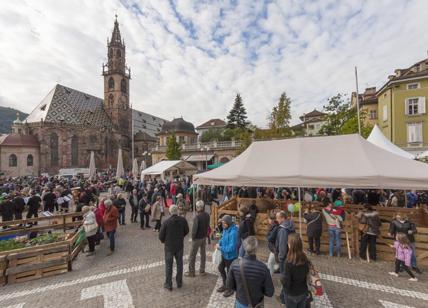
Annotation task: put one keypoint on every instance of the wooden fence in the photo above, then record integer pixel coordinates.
(350, 236)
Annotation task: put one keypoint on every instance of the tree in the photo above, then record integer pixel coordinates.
(281, 115)
(173, 150)
(237, 117)
(342, 119)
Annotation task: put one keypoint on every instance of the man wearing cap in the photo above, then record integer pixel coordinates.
(172, 234)
(200, 226)
(228, 245)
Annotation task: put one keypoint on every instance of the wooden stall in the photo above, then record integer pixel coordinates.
(350, 236)
(34, 262)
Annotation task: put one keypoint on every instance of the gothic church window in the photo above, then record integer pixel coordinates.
(75, 151)
(111, 83)
(118, 53)
(30, 160)
(13, 160)
(54, 149)
(123, 86)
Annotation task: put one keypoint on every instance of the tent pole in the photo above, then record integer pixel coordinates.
(300, 211)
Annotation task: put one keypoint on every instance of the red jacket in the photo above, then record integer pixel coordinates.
(110, 219)
(99, 213)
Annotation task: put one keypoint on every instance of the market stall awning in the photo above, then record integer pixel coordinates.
(378, 138)
(334, 161)
(166, 165)
(199, 157)
(214, 166)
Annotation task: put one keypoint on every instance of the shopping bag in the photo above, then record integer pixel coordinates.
(217, 257)
(314, 281)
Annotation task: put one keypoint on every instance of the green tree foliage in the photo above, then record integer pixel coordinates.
(342, 119)
(280, 116)
(215, 134)
(173, 150)
(237, 117)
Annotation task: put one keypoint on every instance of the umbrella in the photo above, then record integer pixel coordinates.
(135, 169)
(120, 172)
(143, 165)
(92, 169)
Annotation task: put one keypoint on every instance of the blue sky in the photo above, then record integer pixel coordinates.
(190, 58)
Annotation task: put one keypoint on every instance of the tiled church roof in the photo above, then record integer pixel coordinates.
(69, 106)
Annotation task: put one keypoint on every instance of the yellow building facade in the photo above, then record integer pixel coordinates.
(402, 114)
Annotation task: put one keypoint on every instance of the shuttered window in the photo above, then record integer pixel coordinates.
(414, 133)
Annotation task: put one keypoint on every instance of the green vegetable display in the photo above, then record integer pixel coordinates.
(11, 244)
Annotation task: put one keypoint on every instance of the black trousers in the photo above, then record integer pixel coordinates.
(134, 214)
(32, 212)
(399, 263)
(169, 262)
(317, 240)
(223, 268)
(370, 241)
(91, 242)
(146, 217)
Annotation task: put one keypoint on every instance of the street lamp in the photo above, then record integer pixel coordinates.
(206, 156)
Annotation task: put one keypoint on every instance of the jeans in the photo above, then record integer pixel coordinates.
(197, 244)
(111, 238)
(147, 217)
(122, 216)
(169, 260)
(298, 301)
(370, 241)
(223, 268)
(334, 236)
(413, 259)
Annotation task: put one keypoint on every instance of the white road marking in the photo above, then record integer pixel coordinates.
(375, 286)
(21, 305)
(387, 304)
(116, 294)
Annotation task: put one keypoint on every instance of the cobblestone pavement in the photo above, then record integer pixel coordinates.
(133, 277)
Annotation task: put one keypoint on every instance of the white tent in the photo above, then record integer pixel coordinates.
(135, 169)
(335, 161)
(120, 172)
(171, 167)
(378, 138)
(92, 169)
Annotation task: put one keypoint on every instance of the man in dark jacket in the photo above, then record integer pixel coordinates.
(33, 206)
(271, 238)
(7, 209)
(200, 226)
(246, 228)
(144, 214)
(172, 234)
(314, 229)
(257, 278)
(369, 218)
(134, 199)
(19, 206)
(49, 199)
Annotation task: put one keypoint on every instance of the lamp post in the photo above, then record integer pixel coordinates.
(206, 149)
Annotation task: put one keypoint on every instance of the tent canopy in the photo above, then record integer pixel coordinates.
(378, 138)
(167, 165)
(334, 161)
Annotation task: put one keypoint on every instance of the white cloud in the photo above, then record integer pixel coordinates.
(191, 58)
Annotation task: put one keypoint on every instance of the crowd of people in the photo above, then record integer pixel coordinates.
(103, 205)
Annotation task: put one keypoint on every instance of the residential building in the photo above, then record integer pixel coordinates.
(402, 107)
(368, 105)
(311, 123)
(211, 124)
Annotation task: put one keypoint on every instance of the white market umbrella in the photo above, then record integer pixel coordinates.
(92, 169)
(143, 165)
(135, 169)
(120, 172)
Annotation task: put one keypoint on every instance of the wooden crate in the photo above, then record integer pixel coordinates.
(3, 267)
(37, 263)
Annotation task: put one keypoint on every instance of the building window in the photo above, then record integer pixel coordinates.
(13, 160)
(92, 140)
(123, 86)
(415, 105)
(30, 160)
(373, 114)
(412, 86)
(54, 149)
(385, 113)
(414, 133)
(75, 151)
(111, 83)
(118, 53)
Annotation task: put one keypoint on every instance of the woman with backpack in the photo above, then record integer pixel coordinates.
(313, 220)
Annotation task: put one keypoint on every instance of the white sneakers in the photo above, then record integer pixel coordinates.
(413, 279)
(393, 274)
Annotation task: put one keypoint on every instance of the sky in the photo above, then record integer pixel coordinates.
(191, 58)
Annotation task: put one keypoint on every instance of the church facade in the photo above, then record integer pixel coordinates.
(68, 124)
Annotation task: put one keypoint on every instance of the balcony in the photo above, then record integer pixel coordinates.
(214, 145)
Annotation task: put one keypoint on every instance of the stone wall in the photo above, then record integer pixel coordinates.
(22, 153)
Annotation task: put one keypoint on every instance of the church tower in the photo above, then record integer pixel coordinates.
(116, 84)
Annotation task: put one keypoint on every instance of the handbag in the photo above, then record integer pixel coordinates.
(90, 228)
(247, 293)
(147, 208)
(314, 281)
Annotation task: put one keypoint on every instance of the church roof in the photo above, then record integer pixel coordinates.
(147, 123)
(18, 140)
(69, 106)
(178, 125)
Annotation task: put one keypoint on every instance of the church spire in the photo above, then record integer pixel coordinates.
(115, 37)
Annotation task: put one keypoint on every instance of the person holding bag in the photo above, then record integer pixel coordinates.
(314, 229)
(90, 226)
(250, 278)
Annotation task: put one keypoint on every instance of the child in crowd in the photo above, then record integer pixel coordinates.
(403, 255)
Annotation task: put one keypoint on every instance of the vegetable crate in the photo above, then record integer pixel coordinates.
(3, 266)
(37, 263)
